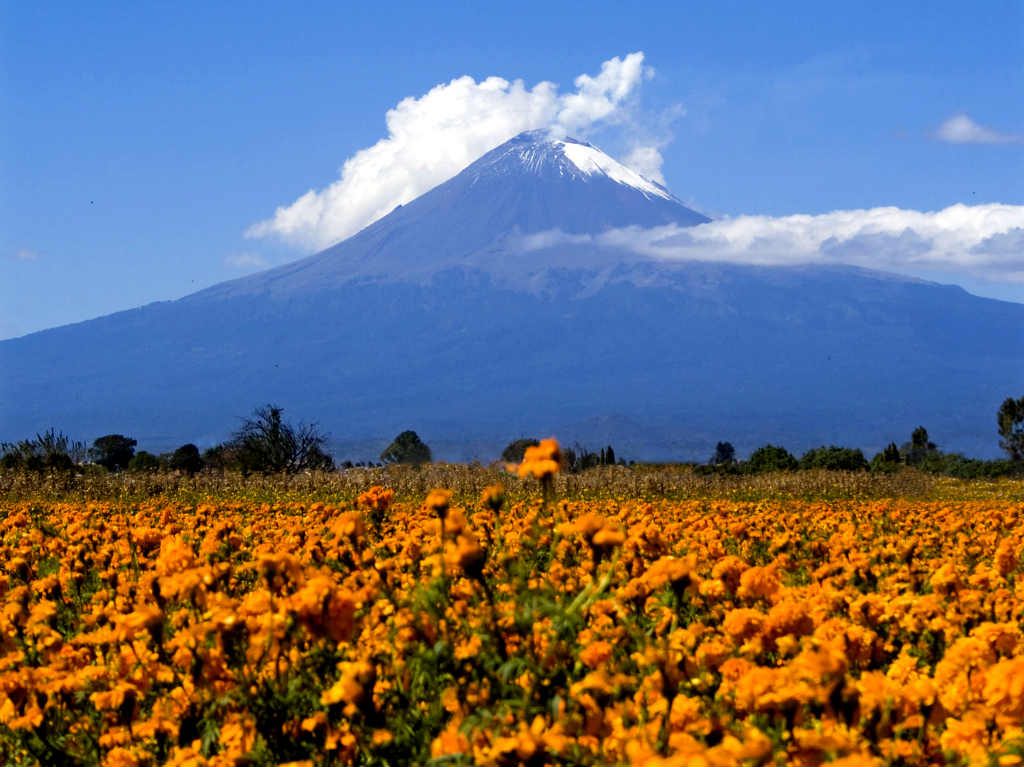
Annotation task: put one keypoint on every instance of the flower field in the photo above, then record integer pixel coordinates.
(487, 630)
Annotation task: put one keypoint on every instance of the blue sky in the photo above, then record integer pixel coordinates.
(139, 142)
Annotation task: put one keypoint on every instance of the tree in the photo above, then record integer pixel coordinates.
(834, 458)
(144, 461)
(609, 456)
(725, 455)
(887, 460)
(771, 458)
(221, 457)
(266, 443)
(1011, 427)
(579, 458)
(514, 450)
(187, 459)
(919, 448)
(407, 447)
(113, 451)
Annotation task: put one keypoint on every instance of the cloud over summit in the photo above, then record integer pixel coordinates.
(432, 137)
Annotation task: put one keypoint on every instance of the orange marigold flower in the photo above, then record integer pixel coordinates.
(348, 525)
(356, 678)
(175, 556)
(680, 573)
(438, 500)
(596, 653)
(121, 757)
(324, 608)
(541, 461)
(607, 538)
(1008, 557)
(378, 498)
(451, 741)
(471, 555)
(759, 583)
(237, 735)
(115, 698)
(493, 497)
(1004, 688)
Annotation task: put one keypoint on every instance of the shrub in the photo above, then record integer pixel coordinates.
(834, 458)
(144, 461)
(771, 458)
(268, 444)
(888, 459)
(51, 450)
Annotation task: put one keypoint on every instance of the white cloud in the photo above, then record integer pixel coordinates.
(979, 241)
(961, 129)
(246, 261)
(432, 137)
(647, 161)
(24, 254)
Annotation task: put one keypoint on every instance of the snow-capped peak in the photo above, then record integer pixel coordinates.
(589, 159)
(538, 153)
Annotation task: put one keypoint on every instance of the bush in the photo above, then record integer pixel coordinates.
(51, 450)
(771, 458)
(267, 444)
(834, 458)
(222, 457)
(887, 460)
(962, 467)
(144, 461)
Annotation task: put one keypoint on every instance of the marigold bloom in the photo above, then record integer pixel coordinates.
(438, 501)
(356, 678)
(471, 556)
(596, 653)
(377, 498)
(541, 461)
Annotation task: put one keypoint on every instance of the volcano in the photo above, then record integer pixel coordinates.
(485, 310)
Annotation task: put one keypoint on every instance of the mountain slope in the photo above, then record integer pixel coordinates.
(432, 318)
(529, 184)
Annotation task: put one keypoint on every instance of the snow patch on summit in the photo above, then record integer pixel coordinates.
(589, 160)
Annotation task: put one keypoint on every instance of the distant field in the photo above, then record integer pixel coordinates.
(466, 481)
(638, 616)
